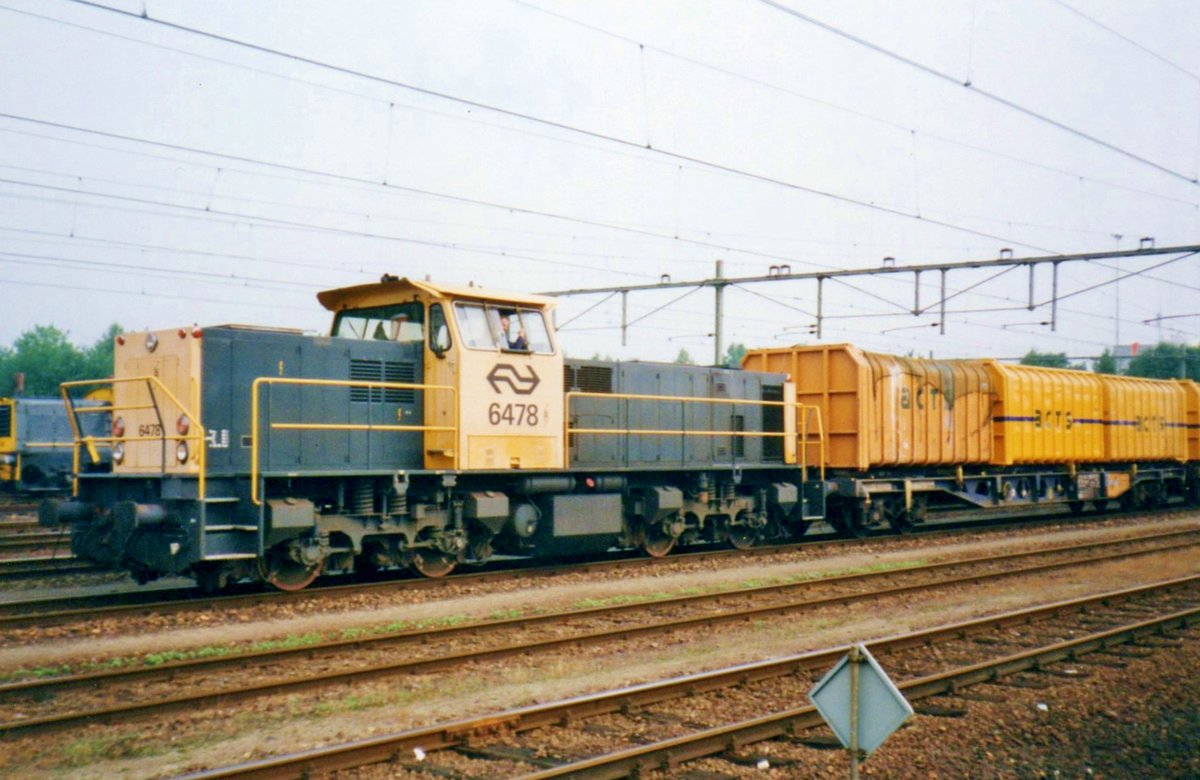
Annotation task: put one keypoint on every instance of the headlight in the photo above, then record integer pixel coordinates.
(118, 427)
(182, 425)
(151, 342)
(8, 460)
(118, 452)
(181, 452)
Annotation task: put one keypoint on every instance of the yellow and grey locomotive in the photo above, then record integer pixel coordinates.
(433, 426)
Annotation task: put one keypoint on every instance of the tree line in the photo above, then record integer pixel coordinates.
(45, 357)
(1164, 360)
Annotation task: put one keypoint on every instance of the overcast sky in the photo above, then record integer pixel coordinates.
(222, 161)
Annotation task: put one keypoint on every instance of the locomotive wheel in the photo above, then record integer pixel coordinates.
(284, 573)
(1100, 505)
(655, 541)
(432, 563)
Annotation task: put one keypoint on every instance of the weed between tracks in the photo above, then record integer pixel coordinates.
(403, 703)
(403, 626)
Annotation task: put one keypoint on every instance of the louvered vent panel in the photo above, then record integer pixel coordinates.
(382, 371)
(594, 379)
(5, 421)
(399, 372)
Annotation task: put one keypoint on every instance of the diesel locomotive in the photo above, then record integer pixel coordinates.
(436, 426)
(433, 426)
(37, 443)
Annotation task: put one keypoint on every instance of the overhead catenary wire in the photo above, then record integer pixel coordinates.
(258, 303)
(389, 186)
(946, 77)
(564, 126)
(1135, 44)
(372, 186)
(848, 110)
(286, 224)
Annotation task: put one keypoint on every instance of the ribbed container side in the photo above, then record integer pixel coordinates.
(885, 410)
(1144, 419)
(1191, 395)
(1046, 415)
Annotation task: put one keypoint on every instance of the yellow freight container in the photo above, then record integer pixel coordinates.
(883, 410)
(1046, 415)
(1144, 419)
(1191, 394)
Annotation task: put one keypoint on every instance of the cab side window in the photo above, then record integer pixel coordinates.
(439, 331)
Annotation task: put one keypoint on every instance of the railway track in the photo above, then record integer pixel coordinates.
(757, 701)
(149, 691)
(59, 610)
(43, 566)
(15, 504)
(16, 525)
(30, 541)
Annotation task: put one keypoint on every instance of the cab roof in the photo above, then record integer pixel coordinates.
(394, 290)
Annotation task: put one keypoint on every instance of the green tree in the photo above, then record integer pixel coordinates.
(46, 358)
(683, 357)
(99, 357)
(1165, 360)
(1045, 359)
(734, 354)
(1106, 363)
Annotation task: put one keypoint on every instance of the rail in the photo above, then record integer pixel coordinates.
(200, 437)
(804, 413)
(256, 422)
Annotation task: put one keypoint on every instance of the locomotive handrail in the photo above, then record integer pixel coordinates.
(806, 409)
(151, 383)
(353, 383)
(803, 437)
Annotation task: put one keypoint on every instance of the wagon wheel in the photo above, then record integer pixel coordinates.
(655, 541)
(278, 569)
(742, 537)
(432, 563)
(850, 521)
(898, 517)
(900, 522)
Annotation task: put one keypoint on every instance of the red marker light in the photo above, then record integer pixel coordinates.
(182, 333)
(120, 341)
(196, 332)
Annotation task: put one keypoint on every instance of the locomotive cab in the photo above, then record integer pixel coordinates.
(491, 365)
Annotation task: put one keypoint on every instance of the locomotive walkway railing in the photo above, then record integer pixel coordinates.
(154, 387)
(256, 422)
(803, 414)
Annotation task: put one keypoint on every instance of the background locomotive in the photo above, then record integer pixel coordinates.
(37, 442)
(438, 425)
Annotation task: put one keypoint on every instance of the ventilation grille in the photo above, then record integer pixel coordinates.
(588, 379)
(5, 420)
(382, 371)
